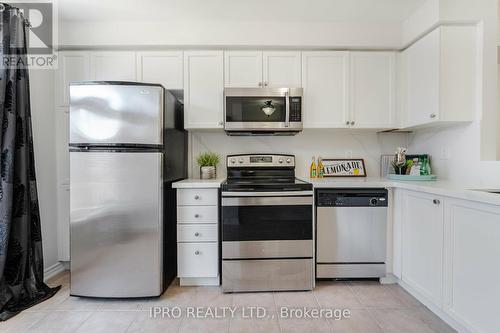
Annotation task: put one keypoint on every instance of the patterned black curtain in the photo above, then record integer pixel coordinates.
(21, 257)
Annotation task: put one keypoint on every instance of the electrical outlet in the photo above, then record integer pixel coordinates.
(445, 154)
(348, 154)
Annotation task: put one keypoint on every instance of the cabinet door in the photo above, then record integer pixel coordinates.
(113, 66)
(73, 66)
(324, 79)
(422, 89)
(397, 232)
(282, 69)
(423, 244)
(372, 89)
(243, 69)
(203, 89)
(161, 67)
(472, 249)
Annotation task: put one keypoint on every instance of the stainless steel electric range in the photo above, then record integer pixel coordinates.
(267, 225)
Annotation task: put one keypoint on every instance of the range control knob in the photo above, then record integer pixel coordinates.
(280, 161)
(240, 160)
(288, 160)
(233, 160)
(373, 201)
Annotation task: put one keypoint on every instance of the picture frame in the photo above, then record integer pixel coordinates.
(344, 167)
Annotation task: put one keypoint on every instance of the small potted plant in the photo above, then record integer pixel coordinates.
(208, 164)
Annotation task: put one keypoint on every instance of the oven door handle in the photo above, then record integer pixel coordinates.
(267, 201)
(287, 108)
(268, 194)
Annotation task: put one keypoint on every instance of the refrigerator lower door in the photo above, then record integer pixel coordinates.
(116, 224)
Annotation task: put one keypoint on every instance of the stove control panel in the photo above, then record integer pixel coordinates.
(260, 160)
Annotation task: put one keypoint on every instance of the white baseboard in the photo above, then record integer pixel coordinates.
(53, 270)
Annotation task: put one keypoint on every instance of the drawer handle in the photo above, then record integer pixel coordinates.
(196, 197)
(433, 115)
(436, 201)
(196, 215)
(197, 252)
(196, 234)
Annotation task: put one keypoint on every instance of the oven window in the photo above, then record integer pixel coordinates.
(255, 109)
(248, 223)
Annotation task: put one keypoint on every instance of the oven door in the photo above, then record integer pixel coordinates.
(262, 225)
(262, 109)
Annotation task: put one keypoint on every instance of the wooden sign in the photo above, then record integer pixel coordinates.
(344, 168)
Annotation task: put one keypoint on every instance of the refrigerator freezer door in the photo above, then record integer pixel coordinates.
(116, 224)
(116, 114)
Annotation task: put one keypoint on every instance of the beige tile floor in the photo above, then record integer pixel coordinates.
(373, 308)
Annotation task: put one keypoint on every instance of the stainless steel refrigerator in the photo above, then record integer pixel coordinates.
(127, 145)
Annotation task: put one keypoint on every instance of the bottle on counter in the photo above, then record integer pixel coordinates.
(321, 171)
(313, 170)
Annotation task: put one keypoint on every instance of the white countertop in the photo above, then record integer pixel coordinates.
(439, 187)
(198, 183)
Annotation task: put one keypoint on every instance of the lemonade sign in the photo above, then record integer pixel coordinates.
(344, 168)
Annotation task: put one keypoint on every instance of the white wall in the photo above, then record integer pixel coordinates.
(230, 33)
(42, 85)
(305, 145)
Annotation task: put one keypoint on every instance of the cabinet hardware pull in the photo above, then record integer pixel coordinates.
(433, 115)
(347, 123)
(265, 84)
(196, 215)
(196, 234)
(260, 84)
(352, 123)
(196, 197)
(436, 201)
(196, 252)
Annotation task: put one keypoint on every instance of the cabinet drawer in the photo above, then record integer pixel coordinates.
(196, 196)
(197, 214)
(197, 260)
(197, 233)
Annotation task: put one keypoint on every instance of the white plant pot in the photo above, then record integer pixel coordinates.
(208, 172)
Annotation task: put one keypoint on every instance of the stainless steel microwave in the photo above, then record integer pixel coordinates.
(262, 111)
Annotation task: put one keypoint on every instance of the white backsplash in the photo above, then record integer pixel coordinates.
(305, 145)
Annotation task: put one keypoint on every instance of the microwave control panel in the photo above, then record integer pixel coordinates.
(296, 109)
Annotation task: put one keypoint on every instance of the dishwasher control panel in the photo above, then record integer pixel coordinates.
(351, 197)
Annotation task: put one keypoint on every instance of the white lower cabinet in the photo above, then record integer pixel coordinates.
(198, 236)
(197, 260)
(422, 267)
(472, 266)
(449, 250)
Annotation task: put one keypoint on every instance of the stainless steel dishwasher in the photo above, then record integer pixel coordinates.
(351, 233)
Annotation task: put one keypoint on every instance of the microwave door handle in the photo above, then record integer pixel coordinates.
(287, 108)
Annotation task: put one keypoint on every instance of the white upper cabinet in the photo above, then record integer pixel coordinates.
(422, 264)
(440, 81)
(113, 66)
(203, 89)
(325, 83)
(73, 66)
(282, 69)
(243, 69)
(164, 67)
(372, 90)
(423, 80)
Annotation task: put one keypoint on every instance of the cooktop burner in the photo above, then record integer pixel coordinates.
(263, 173)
